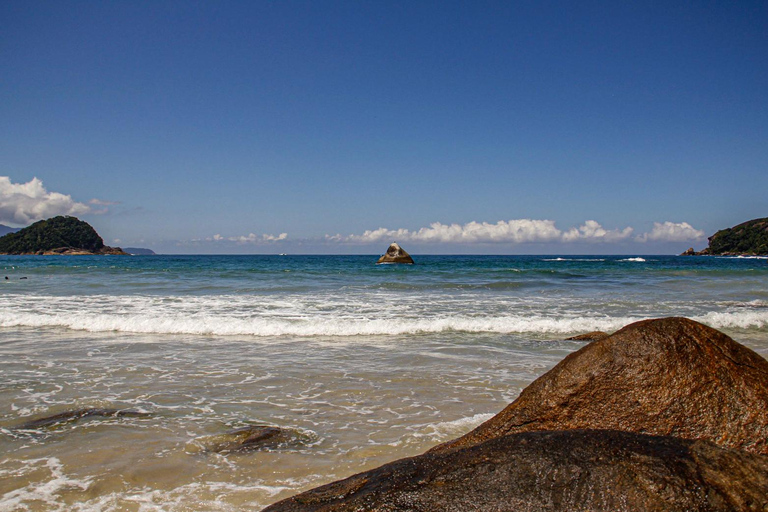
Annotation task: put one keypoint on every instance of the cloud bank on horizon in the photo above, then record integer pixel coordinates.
(521, 231)
(24, 203)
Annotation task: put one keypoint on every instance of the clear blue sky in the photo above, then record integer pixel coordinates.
(192, 124)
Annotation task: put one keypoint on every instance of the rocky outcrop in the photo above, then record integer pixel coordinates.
(255, 437)
(70, 251)
(396, 254)
(78, 414)
(58, 235)
(594, 470)
(673, 377)
(747, 239)
(662, 415)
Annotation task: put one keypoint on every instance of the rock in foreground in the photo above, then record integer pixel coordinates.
(671, 376)
(564, 471)
(396, 254)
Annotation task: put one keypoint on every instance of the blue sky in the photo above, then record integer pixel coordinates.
(334, 127)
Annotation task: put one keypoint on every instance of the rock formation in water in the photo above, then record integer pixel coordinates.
(57, 235)
(747, 239)
(672, 376)
(596, 470)
(396, 254)
(255, 437)
(78, 414)
(589, 336)
(578, 438)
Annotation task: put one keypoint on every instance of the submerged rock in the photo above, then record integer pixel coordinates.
(589, 336)
(255, 437)
(561, 471)
(671, 376)
(77, 414)
(396, 254)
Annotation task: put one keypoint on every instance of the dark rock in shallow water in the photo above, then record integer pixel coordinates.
(250, 438)
(396, 254)
(590, 336)
(671, 376)
(70, 416)
(555, 471)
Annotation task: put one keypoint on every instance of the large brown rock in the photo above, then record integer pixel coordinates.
(672, 376)
(555, 471)
(396, 254)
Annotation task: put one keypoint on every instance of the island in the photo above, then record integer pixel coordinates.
(746, 239)
(57, 235)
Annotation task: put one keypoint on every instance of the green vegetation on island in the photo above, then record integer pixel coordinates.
(57, 235)
(747, 239)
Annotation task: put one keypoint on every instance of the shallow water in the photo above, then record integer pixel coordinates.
(369, 363)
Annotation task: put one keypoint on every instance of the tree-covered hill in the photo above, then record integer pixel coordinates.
(57, 235)
(751, 237)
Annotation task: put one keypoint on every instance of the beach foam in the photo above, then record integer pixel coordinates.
(234, 316)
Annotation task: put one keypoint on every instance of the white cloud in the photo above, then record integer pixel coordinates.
(24, 203)
(672, 232)
(101, 202)
(517, 231)
(520, 231)
(251, 238)
(592, 230)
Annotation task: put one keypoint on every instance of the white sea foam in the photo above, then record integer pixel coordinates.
(638, 259)
(448, 429)
(321, 316)
(739, 320)
(47, 491)
(311, 326)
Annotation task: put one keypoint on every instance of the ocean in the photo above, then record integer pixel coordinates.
(365, 363)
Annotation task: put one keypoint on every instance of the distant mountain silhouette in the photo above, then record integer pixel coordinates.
(138, 251)
(4, 230)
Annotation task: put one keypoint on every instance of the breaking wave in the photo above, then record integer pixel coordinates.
(233, 315)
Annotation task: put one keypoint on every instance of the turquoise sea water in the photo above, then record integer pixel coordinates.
(370, 362)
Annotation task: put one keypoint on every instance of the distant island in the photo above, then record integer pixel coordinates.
(57, 235)
(747, 239)
(139, 251)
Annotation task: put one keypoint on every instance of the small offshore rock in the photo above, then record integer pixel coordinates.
(670, 376)
(255, 437)
(396, 254)
(77, 414)
(594, 470)
(590, 336)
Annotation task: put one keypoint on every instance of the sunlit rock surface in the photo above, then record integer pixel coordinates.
(396, 254)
